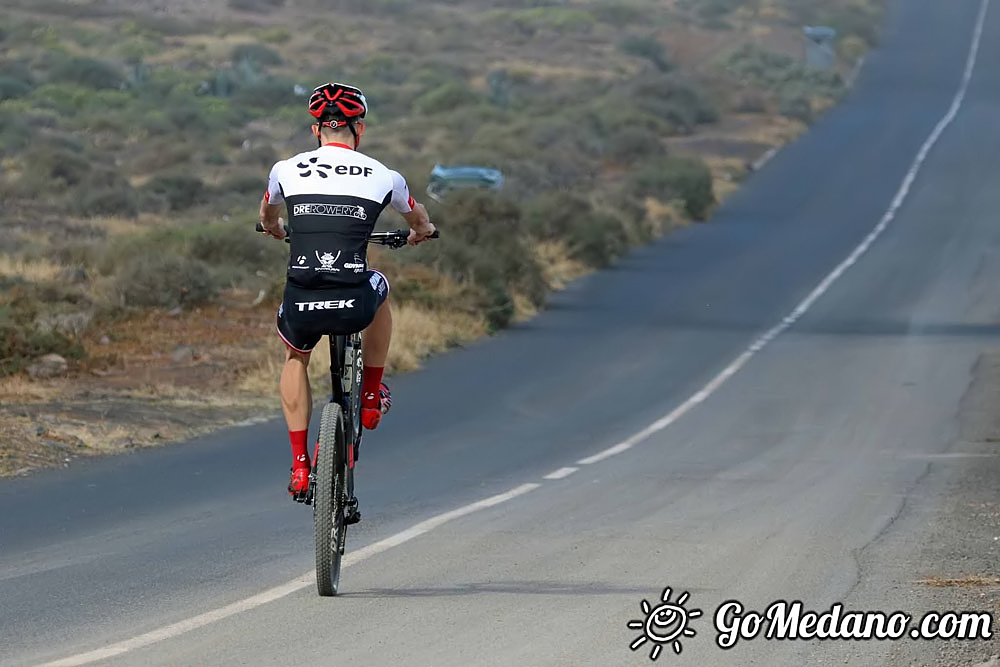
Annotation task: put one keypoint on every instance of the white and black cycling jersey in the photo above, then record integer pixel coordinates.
(334, 196)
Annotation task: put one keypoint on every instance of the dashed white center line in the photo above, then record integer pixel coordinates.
(562, 472)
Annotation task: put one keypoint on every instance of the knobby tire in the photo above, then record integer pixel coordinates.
(328, 504)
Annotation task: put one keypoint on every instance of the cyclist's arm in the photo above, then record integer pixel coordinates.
(417, 217)
(412, 211)
(271, 205)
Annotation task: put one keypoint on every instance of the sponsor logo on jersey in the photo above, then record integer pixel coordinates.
(327, 261)
(321, 169)
(342, 210)
(300, 263)
(336, 304)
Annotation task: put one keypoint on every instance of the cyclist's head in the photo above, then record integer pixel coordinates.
(336, 106)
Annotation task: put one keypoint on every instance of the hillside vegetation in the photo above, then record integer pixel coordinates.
(135, 139)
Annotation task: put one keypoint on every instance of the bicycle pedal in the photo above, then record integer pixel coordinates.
(352, 514)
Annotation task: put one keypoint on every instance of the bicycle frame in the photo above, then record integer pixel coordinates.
(346, 375)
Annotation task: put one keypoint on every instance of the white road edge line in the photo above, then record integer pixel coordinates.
(278, 592)
(806, 304)
(562, 472)
(423, 527)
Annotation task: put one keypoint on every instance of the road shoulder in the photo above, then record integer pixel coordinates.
(942, 551)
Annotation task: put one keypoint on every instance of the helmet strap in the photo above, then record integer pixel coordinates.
(336, 125)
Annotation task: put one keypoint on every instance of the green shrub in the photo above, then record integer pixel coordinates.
(164, 280)
(243, 183)
(383, 68)
(11, 88)
(780, 73)
(553, 214)
(275, 35)
(231, 246)
(685, 178)
(797, 107)
(674, 99)
(715, 10)
(135, 49)
(256, 6)
(593, 237)
(15, 132)
(52, 166)
(20, 345)
(446, 97)
(861, 20)
(256, 53)
(557, 19)
(175, 191)
(21, 340)
(489, 250)
(268, 94)
(632, 144)
(598, 239)
(89, 72)
(618, 14)
(648, 47)
(232, 251)
(751, 101)
(110, 200)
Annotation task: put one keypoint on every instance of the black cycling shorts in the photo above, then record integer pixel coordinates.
(306, 315)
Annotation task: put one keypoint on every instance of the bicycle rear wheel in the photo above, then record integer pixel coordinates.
(328, 503)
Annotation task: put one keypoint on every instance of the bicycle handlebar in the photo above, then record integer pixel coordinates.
(393, 239)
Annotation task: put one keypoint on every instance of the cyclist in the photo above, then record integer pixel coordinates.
(333, 196)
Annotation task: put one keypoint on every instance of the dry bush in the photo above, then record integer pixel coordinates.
(418, 332)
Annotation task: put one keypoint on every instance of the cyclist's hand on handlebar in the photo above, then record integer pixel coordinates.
(420, 232)
(277, 232)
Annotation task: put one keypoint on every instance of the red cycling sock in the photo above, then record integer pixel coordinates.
(300, 453)
(370, 385)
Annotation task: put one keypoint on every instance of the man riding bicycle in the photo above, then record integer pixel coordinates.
(333, 196)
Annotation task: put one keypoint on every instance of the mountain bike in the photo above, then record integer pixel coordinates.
(331, 482)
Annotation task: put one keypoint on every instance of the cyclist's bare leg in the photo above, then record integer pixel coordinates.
(376, 337)
(296, 395)
(296, 401)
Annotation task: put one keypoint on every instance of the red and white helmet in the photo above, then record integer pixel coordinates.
(336, 105)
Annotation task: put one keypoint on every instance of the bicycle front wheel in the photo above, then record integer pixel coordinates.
(328, 502)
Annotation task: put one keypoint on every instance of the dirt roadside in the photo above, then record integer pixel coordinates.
(166, 378)
(942, 553)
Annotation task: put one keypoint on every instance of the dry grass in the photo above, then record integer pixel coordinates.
(774, 130)
(559, 269)
(38, 270)
(972, 581)
(524, 310)
(21, 389)
(664, 216)
(723, 174)
(262, 378)
(116, 226)
(416, 333)
(419, 332)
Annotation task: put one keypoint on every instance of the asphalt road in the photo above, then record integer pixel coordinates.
(767, 489)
